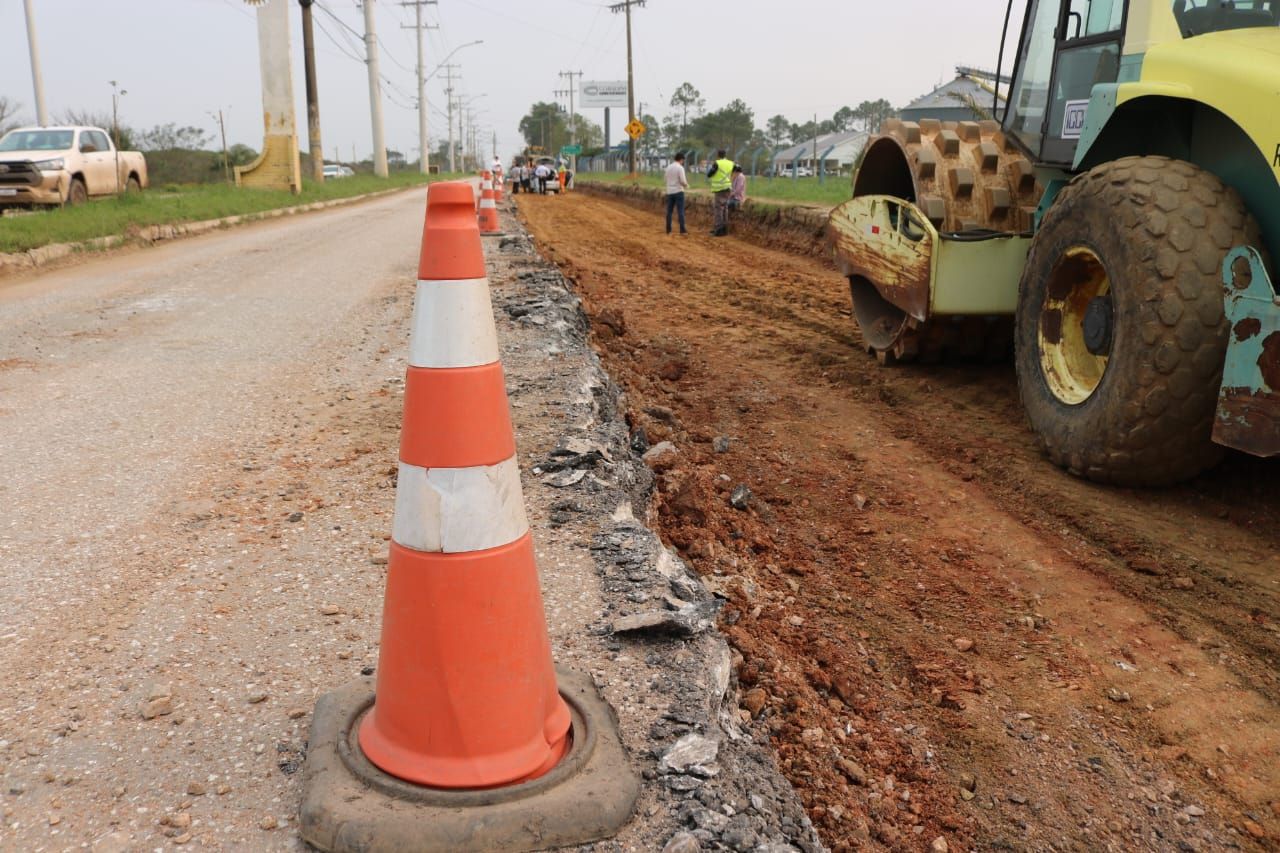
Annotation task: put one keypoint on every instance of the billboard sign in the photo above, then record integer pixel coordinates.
(603, 93)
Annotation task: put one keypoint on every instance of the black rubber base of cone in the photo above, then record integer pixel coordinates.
(350, 806)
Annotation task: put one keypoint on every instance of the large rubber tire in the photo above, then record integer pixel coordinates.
(76, 193)
(1161, 229)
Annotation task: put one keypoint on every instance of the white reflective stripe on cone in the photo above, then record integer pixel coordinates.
(457, 510)
(453, 324)
(487, 202)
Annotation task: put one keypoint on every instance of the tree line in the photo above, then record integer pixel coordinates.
(689, 125)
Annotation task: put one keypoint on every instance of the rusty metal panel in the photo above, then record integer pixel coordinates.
(889, 242)
(1248, 416)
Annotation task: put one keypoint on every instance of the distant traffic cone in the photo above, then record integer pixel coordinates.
(499, 187)
(489, 212)
(486, 183)
(466, 690)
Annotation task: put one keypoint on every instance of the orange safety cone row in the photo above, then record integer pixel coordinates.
(489, 213)
(499, 187)
(486, 183)
(466, 691)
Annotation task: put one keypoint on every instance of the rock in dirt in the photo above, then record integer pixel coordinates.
(853, 770)
(663, 456)
(690, 753)
(679, 623)
(1254, 829)
(682, 842)
(939, 845)
(1117, 695)
(740, 498)
(157, 701)
(1184, 583)
(963, 644)
(613, 320)
(755, 700)
(564, 479)
(720, 444)
(1147, 566)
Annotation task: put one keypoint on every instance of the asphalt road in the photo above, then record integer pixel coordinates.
(140, 395)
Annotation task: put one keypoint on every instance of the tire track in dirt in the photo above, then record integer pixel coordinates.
(899, 515)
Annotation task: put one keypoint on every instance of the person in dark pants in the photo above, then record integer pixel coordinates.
(721, 175)
(677, 183)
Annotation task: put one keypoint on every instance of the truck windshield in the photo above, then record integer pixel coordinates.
(1197, 17)
(37, 140)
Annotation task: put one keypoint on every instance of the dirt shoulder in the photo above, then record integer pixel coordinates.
(944, 635)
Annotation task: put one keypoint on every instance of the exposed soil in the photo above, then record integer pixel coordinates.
(945, 635)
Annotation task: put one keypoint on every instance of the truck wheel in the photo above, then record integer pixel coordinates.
(132, 185)
(1121, 335)
(76, 193)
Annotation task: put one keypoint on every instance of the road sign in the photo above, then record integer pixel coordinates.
(571, 150)
(635, 128)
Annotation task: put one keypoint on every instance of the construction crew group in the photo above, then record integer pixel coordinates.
(728, 189)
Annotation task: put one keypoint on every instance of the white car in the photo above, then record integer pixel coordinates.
(336, 170)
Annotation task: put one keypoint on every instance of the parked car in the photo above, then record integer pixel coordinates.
(336, 170)
(65, 166)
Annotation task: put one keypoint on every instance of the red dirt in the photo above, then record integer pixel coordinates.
(922, 603)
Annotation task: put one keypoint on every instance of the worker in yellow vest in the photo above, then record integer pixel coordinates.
(721, 175)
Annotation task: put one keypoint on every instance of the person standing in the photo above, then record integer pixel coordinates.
(738, 188)
(721, 175)
(677, 183)
(540, 175)
(516, 169)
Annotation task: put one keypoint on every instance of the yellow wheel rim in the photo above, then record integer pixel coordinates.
(1072, 371)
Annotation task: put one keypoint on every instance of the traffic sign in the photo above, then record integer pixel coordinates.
(571, 150)
(635, 128)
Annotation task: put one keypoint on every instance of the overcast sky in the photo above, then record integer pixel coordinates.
(182, 59)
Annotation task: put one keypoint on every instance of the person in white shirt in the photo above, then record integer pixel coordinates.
(677, 183)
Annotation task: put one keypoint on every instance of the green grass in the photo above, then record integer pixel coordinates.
(832, 191)
(171, 204)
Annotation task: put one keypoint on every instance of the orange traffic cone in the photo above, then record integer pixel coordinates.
(466, 690)
(489, 213)
(486, 183)
(499, 187)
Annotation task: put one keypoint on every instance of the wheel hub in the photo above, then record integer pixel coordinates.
(1076, 326)
(1097, 325)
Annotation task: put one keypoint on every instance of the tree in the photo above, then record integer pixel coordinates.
(872, 114)
(844, 119)
(778, 130)
(545, 126)
(170, 137)
(241, 155)
(685, 97)
(729, 127)
(9, 115)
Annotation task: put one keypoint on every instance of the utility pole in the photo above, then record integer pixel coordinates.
(42, 114)
(625, 7)
(448, 93)
(573, 118)
(226, 156)
(375, 90)
(423, 157)
(313, 98)
(495, 145)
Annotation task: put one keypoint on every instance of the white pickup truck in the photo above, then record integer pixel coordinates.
(65, 166)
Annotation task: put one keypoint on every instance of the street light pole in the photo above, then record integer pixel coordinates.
(116, 94)
(42, 114)
(375, 90)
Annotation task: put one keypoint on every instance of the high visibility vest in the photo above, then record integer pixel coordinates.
(722, 180)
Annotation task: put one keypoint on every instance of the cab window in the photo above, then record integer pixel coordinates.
(1197, 17)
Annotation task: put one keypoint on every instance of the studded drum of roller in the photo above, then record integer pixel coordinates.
(964, 176)
(967, 176)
